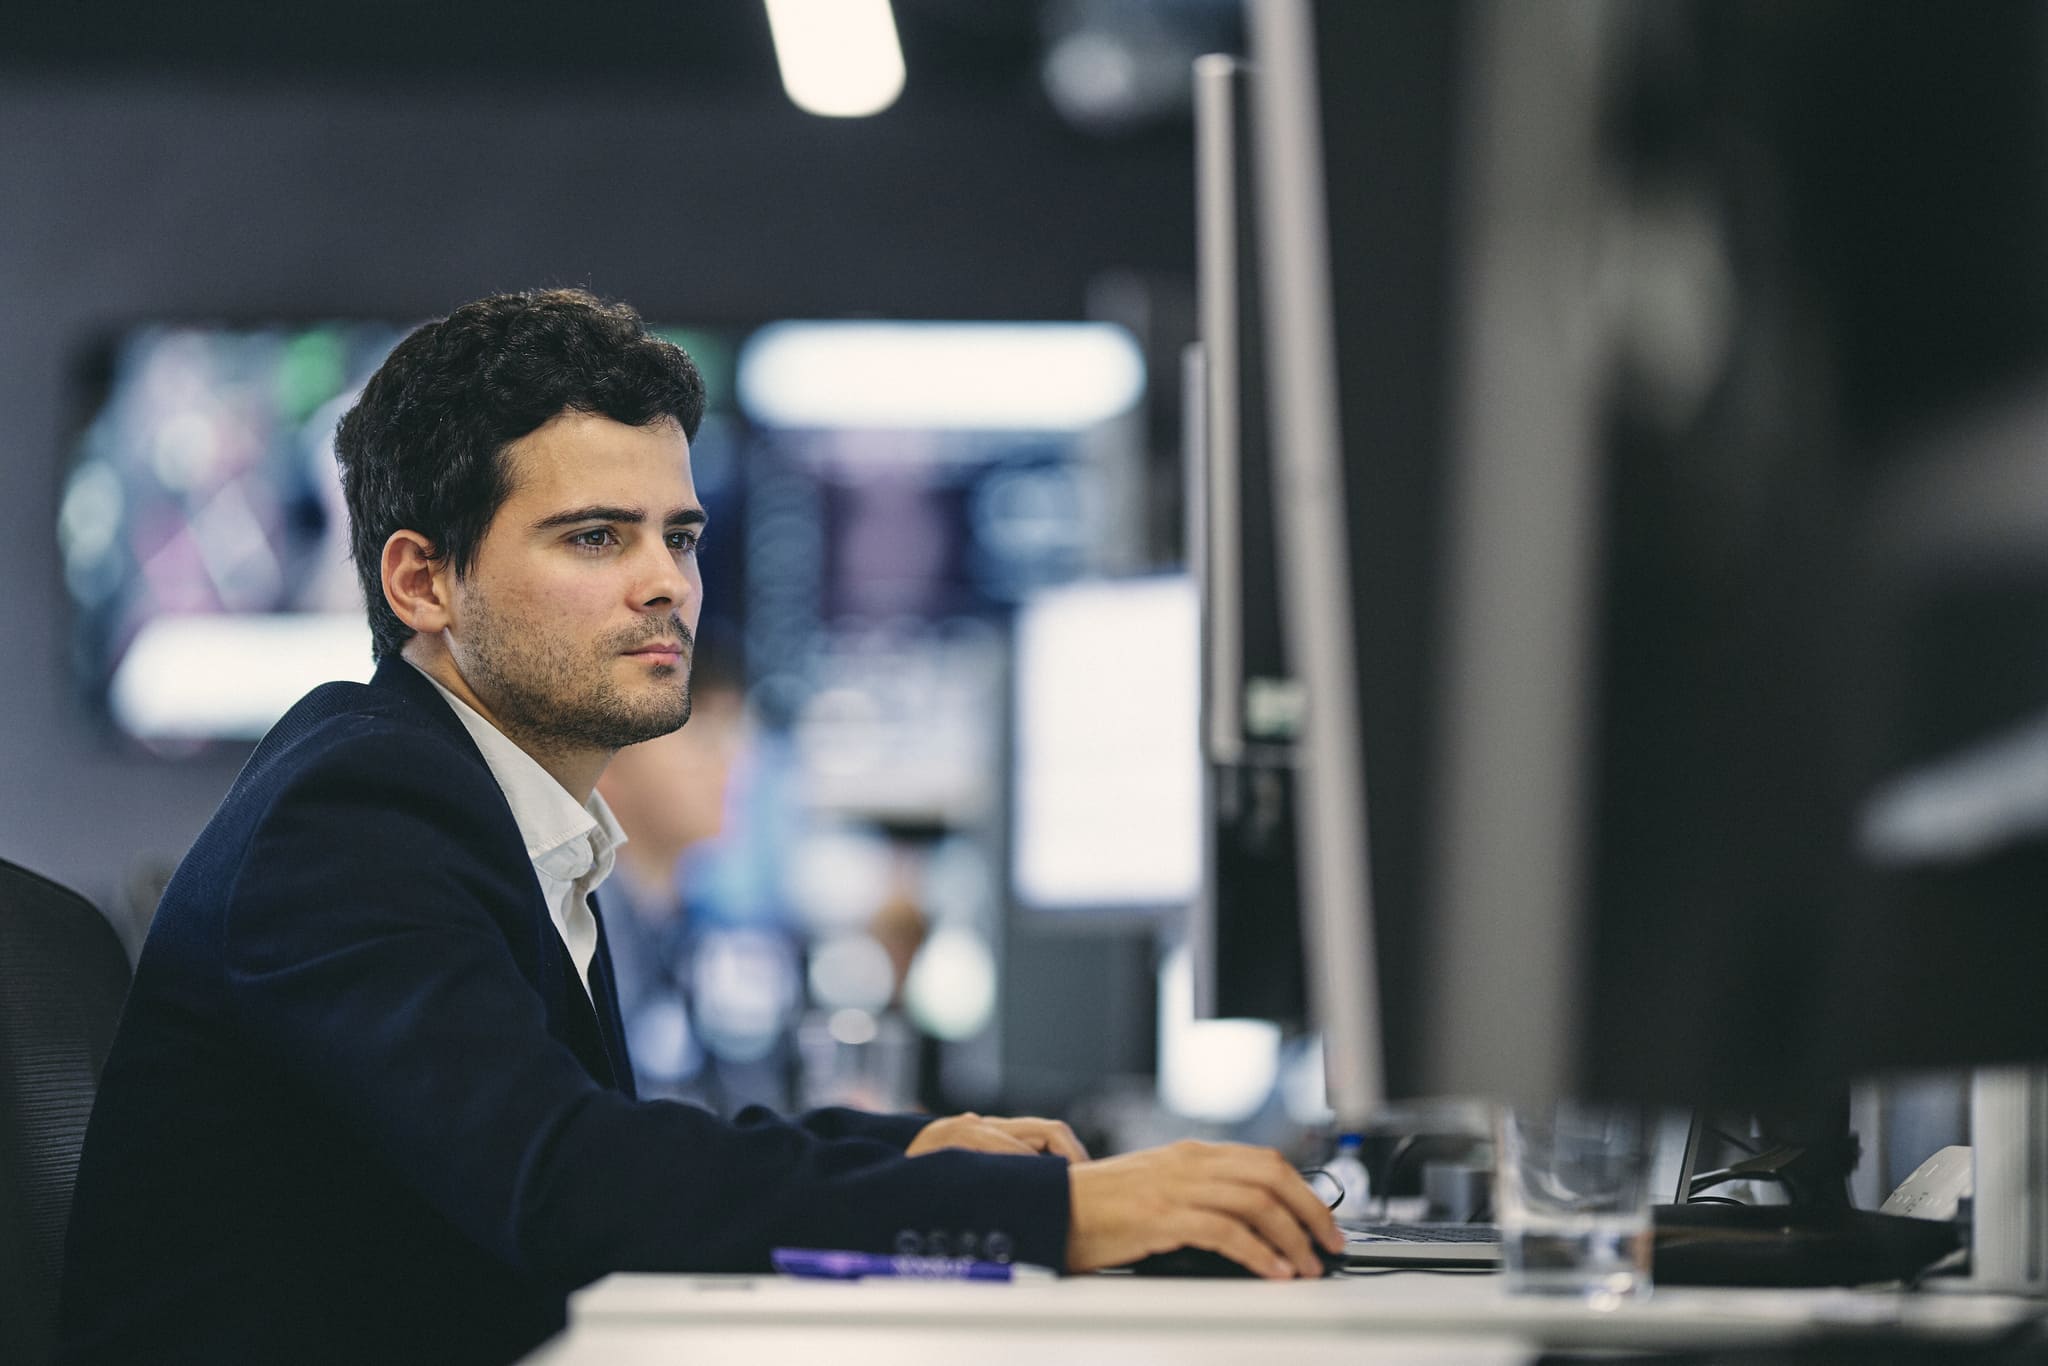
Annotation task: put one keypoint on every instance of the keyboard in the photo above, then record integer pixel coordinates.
(1424, 1233)
(1423, 1245)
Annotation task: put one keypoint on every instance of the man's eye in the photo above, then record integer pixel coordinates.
(684, 540)
(595, 539)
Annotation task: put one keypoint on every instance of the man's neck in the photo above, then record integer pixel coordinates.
(577, 770)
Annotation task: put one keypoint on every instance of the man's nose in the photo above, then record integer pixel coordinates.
(662, 582)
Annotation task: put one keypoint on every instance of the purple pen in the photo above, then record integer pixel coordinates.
(825, 1264)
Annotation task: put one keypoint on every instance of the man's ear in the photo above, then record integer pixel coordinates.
(417, 583)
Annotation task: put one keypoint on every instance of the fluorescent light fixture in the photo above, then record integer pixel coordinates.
(218, 677)
(839, 58)
(945, 376)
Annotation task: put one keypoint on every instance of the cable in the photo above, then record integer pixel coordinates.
(1708, 1180)
(1308, 1173)
(1957, 1260)
(1384, 1177)
(1734, 1140)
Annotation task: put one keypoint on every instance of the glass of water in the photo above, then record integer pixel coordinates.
(1572, 1196)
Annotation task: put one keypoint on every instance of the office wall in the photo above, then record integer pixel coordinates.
(126, 198)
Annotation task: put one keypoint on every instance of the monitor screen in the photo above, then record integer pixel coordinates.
(204, 540)
(1107, 779)
(1245, 933)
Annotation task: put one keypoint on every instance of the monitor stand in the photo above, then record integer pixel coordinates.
(2009, 1141)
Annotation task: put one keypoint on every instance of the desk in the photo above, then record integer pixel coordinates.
(1114, 1320)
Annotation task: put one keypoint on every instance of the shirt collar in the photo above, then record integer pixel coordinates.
(566, 840)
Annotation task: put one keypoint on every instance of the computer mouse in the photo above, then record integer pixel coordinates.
(1200, 1261)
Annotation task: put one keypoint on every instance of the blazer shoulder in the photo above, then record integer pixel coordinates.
(340, 724)
(365, 795)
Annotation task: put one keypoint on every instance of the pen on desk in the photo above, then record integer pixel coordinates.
(824, 1264)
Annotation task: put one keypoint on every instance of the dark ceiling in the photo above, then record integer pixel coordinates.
(984, 55)
(721, 47)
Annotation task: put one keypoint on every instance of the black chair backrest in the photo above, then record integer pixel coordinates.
(63, 975)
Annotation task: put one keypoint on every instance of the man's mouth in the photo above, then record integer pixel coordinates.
(661, 652)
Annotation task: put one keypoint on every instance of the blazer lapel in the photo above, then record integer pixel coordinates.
(582, 1026)
(604, 992)
(592, 1032)
(596, 1031)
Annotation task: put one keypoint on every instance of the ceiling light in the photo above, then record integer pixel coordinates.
(949, 376)
(839, 58)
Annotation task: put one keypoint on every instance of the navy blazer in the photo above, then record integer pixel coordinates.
(360, 1107)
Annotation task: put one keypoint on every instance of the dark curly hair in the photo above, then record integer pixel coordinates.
(423, 449)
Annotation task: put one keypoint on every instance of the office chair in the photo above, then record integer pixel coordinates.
(63, 975)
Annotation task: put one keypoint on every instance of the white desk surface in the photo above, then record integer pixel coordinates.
(1126, 1321)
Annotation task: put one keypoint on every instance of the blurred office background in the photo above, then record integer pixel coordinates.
(214, 223)
(932, 843)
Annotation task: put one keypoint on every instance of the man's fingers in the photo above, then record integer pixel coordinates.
(970, 1132)
(1060, 1140)
(1046, 1135)
(984, 1137)
(1000, 1141)
(1268, 1171)
(1310, 1211)
(1274, 1222)
(1243, 1202)
(1236, 1240)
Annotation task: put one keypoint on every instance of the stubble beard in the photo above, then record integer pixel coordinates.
(553, 695)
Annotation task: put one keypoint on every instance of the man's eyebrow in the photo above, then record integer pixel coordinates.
(631, 516)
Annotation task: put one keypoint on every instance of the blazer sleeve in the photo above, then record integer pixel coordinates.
(367, 955)
(834, 1121)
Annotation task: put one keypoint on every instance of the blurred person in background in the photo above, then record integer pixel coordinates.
(370, 1098)
(708, 991)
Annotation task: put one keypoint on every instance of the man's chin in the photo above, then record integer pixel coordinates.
(652, 722)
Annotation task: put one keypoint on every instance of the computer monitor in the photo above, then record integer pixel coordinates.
(1105, 772)
(1245, 931)
(1360, 538)
(1622, 406)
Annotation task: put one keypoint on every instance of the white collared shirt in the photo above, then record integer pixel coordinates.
(573, 845)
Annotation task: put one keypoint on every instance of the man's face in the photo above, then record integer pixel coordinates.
(575, 624)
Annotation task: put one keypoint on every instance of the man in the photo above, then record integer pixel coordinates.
(369, 1099)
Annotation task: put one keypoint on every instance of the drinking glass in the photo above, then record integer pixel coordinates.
(1572, 1196)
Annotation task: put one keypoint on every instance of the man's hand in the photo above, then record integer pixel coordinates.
(989, 1134)
(1246, 1203)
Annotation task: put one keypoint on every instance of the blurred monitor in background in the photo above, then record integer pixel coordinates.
(1107, 767)
(911, 489)
(204, 540)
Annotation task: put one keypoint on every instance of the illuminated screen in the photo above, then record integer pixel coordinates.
(1107, 797)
